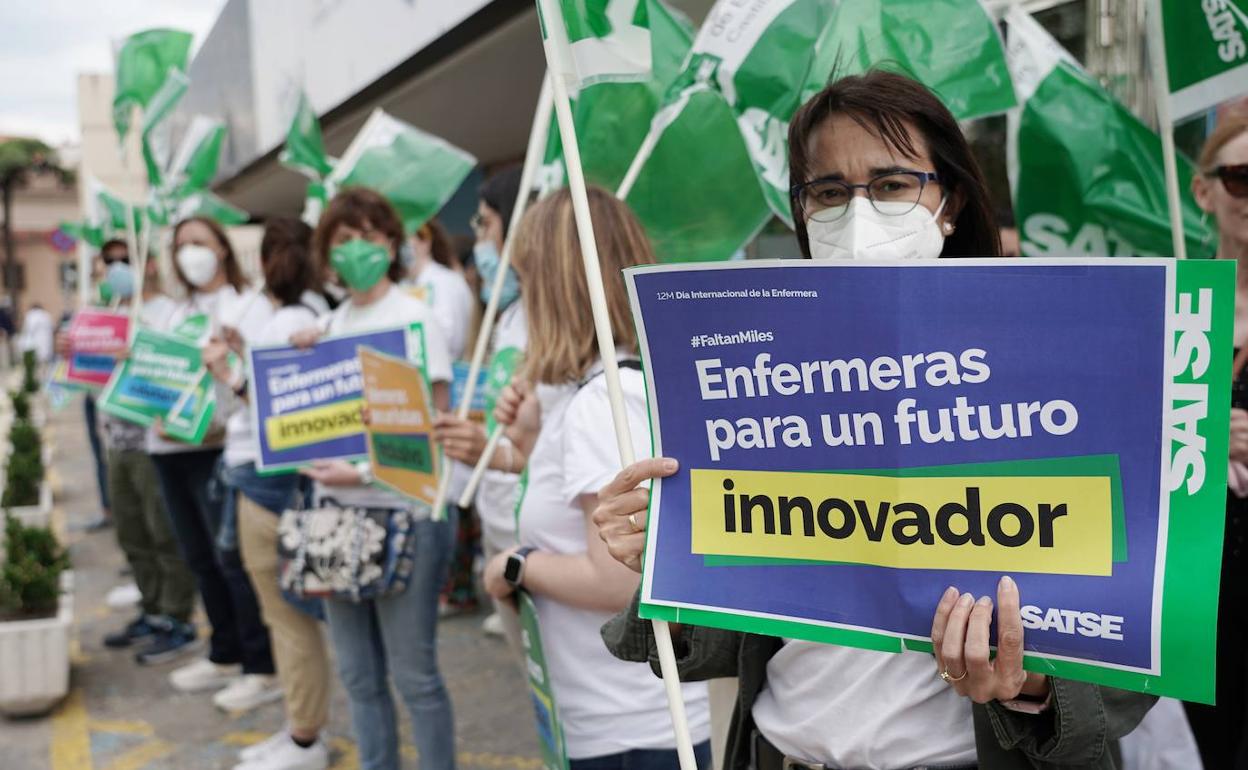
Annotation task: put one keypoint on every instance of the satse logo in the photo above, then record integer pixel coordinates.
(1072, 622)
(1189, 401)
(1222, 16)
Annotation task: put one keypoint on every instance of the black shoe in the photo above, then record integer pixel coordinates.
(170, 643)
(139, 629)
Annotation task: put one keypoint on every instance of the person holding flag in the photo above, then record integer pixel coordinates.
(881, 170)
(613, 715)
(1221, 190)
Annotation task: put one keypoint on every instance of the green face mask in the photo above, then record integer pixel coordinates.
(360, 263)
(106, 292)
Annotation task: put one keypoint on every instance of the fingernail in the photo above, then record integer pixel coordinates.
(967, 600)
(669, 465)
(1006, 583)
(950, 594)
(984, 601)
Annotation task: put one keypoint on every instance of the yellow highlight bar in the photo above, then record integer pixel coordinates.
(1061, 525)
(310, 426)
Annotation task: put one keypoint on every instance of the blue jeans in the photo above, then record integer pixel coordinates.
(643, 759)
(97, 450)
(395, 638)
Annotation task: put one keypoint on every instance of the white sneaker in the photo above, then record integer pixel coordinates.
(257, 750)
(493, 625)
(247, 692)
(126, 595)
(203, 675)
(289, 755)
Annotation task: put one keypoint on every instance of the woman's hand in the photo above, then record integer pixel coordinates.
(492, 578)
(960, 643)
(216, 358)
(463, 440)
(305, 338)
(518, 409)
(333, 473)
(622, 505)
(1239, 435)
(233, 340)
(158, 425)
(61, 344)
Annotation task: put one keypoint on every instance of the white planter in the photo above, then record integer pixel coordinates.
(38, 515)
(34, 659)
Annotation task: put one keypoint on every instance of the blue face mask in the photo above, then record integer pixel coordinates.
(487, 258)
(120, 280)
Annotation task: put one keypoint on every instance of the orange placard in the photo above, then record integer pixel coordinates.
(400, 425)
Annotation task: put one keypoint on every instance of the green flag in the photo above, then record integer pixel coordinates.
(951, 46)
(1206, 52)
(604, 41)
(416, 171)
(305, 151)
(143, 63)
(195, 164)
(613, 117)
(1086, 175)
(206, 204)
(155, 129)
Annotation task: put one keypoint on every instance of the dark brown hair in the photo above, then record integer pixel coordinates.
(285, 258)
(439, 243)
(500, 192)
(363, 209)
(233, 271)
(885, 103)
(1228, 128)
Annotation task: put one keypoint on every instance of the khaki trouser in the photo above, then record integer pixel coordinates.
(299, 648)
(145, 535)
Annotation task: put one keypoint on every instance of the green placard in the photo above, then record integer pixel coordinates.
(549, 729)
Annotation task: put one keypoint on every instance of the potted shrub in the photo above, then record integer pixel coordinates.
(26, 492)
(30, 378)
(36, 614)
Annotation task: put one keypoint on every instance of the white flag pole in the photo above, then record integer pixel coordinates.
(559, 69)
(532, 160)
(132, 246)
(1161, 94)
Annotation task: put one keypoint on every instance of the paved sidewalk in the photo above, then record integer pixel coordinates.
(123, 717)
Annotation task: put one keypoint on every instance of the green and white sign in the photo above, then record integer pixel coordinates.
(1206, 52)
(549, 729)
(1087, 176)
(163, 377)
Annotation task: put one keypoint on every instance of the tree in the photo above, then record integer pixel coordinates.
(19, 159)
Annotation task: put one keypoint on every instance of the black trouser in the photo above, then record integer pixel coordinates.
(193, 500)
(1220, 730)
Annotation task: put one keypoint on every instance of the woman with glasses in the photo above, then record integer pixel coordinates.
(1221, 190)
(882, 171)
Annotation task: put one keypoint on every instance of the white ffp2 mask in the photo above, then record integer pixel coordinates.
(862, 232)
(197, 263)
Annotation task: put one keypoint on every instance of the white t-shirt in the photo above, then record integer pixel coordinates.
(205, 303)
(37, 334)
(496, 492)
(259, 323)
(450, 297)
(396, 309)
(606, 705)
(865, 709)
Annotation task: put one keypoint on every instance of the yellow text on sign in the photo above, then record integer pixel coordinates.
(310, 426)
(1052, 524)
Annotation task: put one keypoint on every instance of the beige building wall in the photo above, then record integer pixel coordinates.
(38, 209)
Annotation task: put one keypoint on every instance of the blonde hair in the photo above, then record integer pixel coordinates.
(562, 345)
(1228, 128)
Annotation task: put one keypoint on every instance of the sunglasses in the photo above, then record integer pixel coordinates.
(1234, 178)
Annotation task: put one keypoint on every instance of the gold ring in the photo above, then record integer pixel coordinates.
(632, 519)
(951, 679)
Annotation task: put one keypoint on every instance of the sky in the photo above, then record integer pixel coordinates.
(46, 44)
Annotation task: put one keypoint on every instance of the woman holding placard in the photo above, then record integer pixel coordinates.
(612, 715)
(392, 638)
(881, 171)
(240, 659)
(268, 315)
(1221, 190)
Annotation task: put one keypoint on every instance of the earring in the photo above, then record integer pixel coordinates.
(948, 228)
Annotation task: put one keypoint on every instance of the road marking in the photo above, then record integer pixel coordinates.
(140, 756)
(122, 726)
(71, 740)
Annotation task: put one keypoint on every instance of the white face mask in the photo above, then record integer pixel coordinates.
(197, 263)
(862, 232)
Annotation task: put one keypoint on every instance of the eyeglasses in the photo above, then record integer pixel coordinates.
(892, 194)
(1234, 178)
(122, 260)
